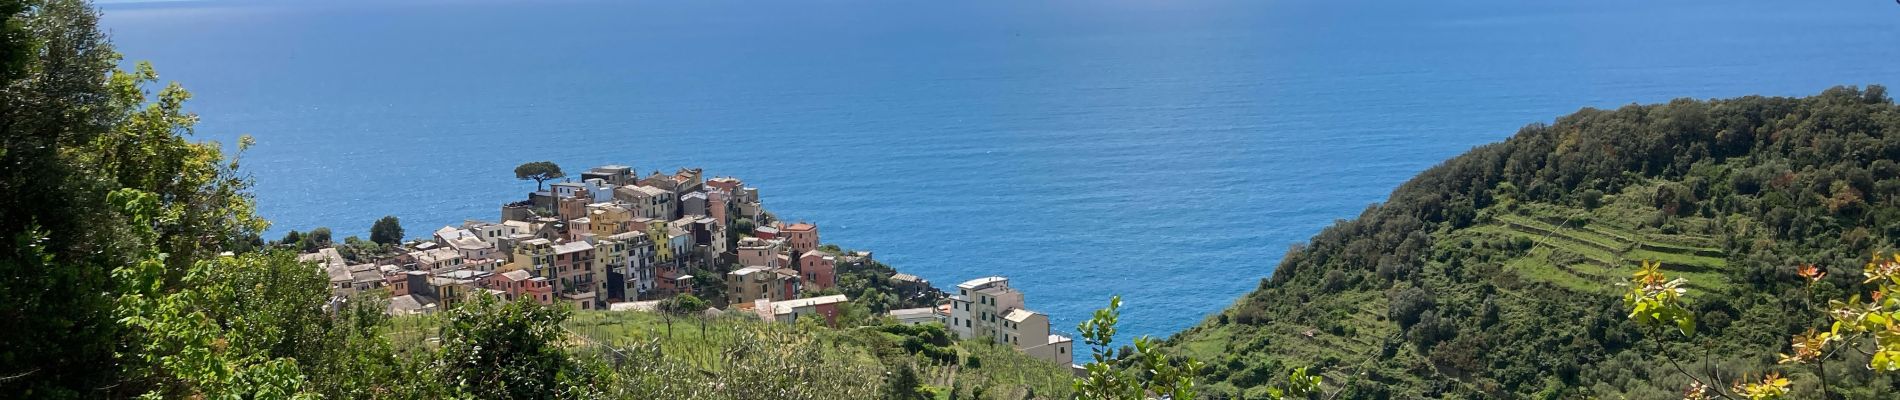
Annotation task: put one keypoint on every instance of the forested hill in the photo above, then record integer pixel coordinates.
(1494, 275)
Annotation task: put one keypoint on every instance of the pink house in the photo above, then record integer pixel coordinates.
(801, 237)
(672, 280)
(518, 284)
(818, 270)
(716, 203)
(727, 183)
(757, 252)
(790, 311)
(398, 284)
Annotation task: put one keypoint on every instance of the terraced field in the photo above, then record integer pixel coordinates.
(1589, 256)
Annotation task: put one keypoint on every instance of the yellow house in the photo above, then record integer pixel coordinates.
(627, 254)
(533, 255)
(608, 219)
(660, 229)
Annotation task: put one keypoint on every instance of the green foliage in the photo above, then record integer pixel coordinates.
(509, 350)
(683, 304)
(16, 47)
(539, 172)
(869, 285)
(1726, 194)
(781, 361)
(751, 361)
(237, 329)
(293, 239)
(386, 231)
(1410, 305)
(319, 238)
(1868, 328)
(114, 222)
(1299, 385)
(1158, 374)
(904, 385)
(357, 250)
(743, 227)
(930, 341)
(100, 178)
(1656, 302)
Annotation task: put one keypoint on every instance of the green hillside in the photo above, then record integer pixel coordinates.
(654, 355)
(1494, 274)
(849, 356)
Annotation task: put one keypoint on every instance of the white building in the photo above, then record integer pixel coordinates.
(438, 259)
(1028, 331)
(989, 308)
(914, 316)
(473, 248)
(602, 191)
(491, 232)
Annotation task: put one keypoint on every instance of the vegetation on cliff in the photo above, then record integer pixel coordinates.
(1495, 273)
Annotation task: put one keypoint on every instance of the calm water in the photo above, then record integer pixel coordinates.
(1168, 151)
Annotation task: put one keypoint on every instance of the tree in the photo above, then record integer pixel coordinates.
(14, 49)
(539, 172)
(1407, 306)
(509, 350)
(682, 305)
(386, 231)
(1870, 328)
(77, 134)
(238, 328)
(319, 238)
(905, 385)
(292, 239)
(1162, 375)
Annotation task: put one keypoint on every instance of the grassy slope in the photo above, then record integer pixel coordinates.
(1001, 370)
(701, 343)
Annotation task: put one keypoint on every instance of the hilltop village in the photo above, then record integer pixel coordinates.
(617, 242)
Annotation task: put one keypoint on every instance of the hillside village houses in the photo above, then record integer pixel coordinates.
(614, 238)
(987, 308)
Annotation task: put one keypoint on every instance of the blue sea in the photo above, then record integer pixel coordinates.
(1165, 151)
